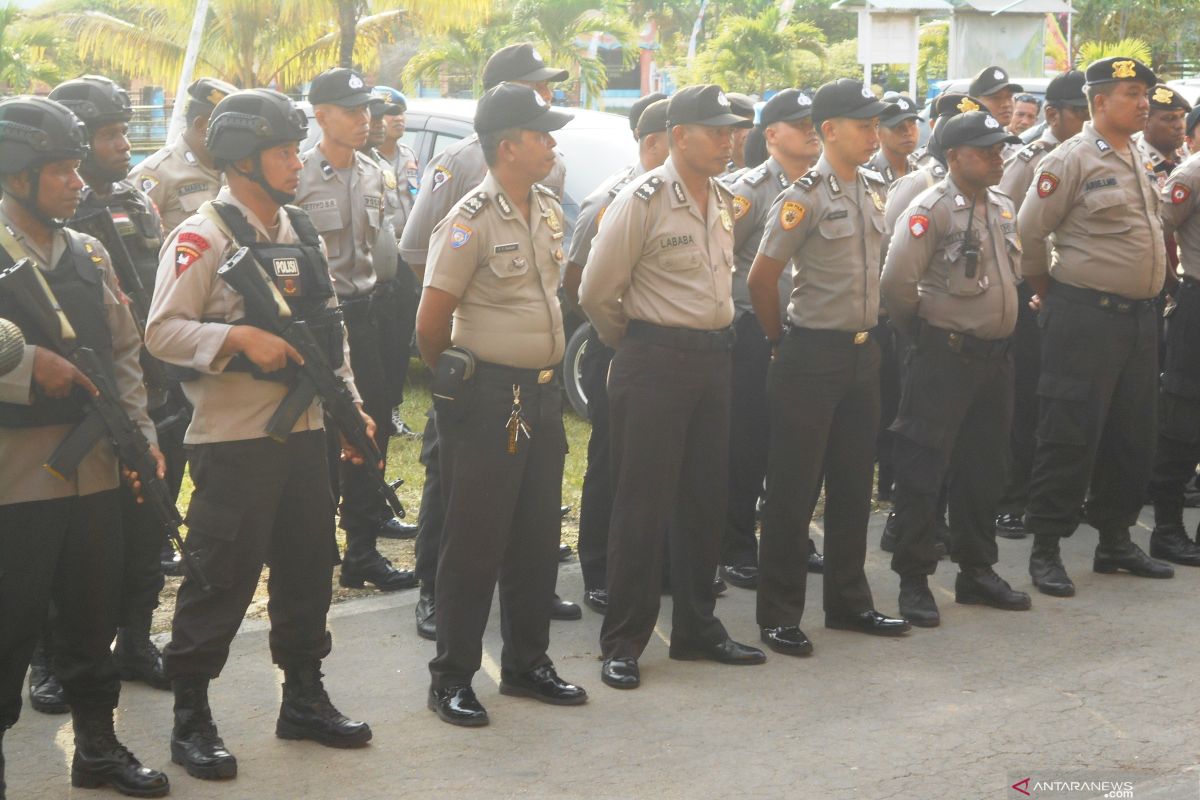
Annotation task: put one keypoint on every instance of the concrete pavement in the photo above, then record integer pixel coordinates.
(1099, 687)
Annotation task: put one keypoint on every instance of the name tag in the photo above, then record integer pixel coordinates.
(1099, 183)
(837, 214)
(506, 248)
(373, 202)
(190, 188)
(286, 267)
(320, 205)
(676, 241)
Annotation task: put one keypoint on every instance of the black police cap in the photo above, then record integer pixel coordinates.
(1119, 68)
(1164, 98)
(519, 62)
(741, 104)
(974, 129)
(512, 105)
(703, 104)
(653, 118)
(785, 106)
(991, 80)
(901, 109)
(340, 87)
(847, 98)
(954, 103)
(1193, 119)
(1066, 89)
(636, 110)
(208, 92)
(382, 105)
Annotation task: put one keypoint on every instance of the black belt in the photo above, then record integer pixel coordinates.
(499, 373)
(356, 309)
(718, 341)
(963, 344)
(1113, 303)
(829, 337)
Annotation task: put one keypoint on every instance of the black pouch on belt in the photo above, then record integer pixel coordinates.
(453, 383)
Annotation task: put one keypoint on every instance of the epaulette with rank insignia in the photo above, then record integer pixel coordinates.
(475, 203)
(649, 187)
(938, 171)
(808, 180)
(619, 185)
(757, 176)
(545, 190)
(871, 175)
(1032, 149)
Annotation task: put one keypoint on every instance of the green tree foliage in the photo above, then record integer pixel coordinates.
(1094, 51)
(1171, 28)
(29, 55)
(561, 30)
(752, 54)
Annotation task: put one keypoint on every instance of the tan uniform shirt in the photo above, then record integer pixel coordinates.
(661, 259)
(926, 273)
(1020, 170)
(1103, 209)
(833, 233)
(449, 176)
(754, 191)
(176, 181)
(1157, 162)
(592, 210)
(347, 208)
(403, 169)
(23, 451)
(193, 312)
(905, 190)
(505, 273)
(879, 163)
(1181, 200)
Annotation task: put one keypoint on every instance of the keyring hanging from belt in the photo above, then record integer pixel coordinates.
(516, 422)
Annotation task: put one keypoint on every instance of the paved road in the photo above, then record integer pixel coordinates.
(1099, 687)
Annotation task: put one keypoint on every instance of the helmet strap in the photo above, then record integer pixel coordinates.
(282, 198)
(30, 203)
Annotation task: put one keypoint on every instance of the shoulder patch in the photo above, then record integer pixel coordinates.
(649, 187)
(791, 214)
(740, 206)
(1180, 194)
(918, 225)
(147, 183)
(474, 204)
(756, 176)
(808, 180)
(1047, 182)
(459, 235)
(440, 176)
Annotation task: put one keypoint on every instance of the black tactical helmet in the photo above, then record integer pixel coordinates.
(95, 99)
(249, 121)
(35, 131)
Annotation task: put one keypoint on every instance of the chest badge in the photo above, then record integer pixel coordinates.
(726, 221)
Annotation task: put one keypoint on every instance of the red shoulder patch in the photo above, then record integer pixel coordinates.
(1046, 184)
(1180, 194)
(185, 256)
(193, 240)
(918, 225)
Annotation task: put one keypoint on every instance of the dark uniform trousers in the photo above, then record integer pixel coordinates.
(1179, 435)
(363, 509)
(595, 506)
(67, 551)
(953, 422)
(1097, 421)
(432, 516)
(748, 433)
(502, 524)
(255, 502)
(1027, 368)
(670, 416)
(823, 392)
(890, 346)
(395, 318)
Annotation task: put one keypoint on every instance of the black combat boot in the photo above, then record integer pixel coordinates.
(306, 712)
(1170, 541)
(916, 602)
(101, 760)
(980, 585)
(363, 563)
(137, 657)
(195, 743)
(45, 692)
(1117, 551)
(1046, 568)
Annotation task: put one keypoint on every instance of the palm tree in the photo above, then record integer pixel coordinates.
(1131, 48)
(561, 30)
(280, 43)
(460, 53)
(27, 55)
(753, 54)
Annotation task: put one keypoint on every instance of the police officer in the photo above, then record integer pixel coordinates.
(393, 304)
(1177, 452)
(950, 282)
(60, 540)
(657, 287)
(823, 390)
(491, 294)
(181, 175)
(1163, 136)
(447, 179)
(1026, 108)
(343, 192)
(995, 91)
(743, 106)
(104, 109)
(595, 507)
(1066, 111)
(794, 146)
(1190, 125)
(255, 500)
(1096, 428)
(897, 140)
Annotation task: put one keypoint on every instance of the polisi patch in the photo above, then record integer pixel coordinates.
(286, 267)
(459, 235)
(918, 225)
(440, 176)
(1046, 184)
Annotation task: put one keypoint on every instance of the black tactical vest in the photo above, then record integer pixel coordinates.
(135, 222)
(78, 285)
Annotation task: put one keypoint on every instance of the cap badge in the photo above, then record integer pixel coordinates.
(722, 100)
(967, 104)
(999, 75)
(867, 93)
(537, 98)
(803, 100)
(991, 122)
(903, 103)
(215, 96)
(1124, 69)
(1163, 95)
(355, 82)
(535, 55)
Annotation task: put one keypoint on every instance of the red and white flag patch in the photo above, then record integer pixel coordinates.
(1180, 194)
(918, 225)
